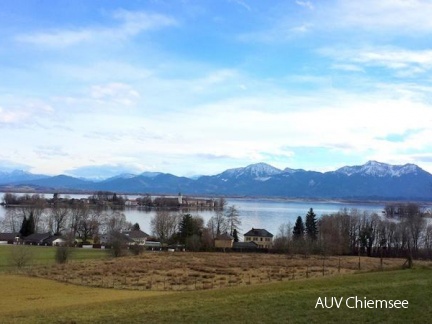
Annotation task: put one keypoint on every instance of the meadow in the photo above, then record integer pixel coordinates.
(33, 297)
(35, 300)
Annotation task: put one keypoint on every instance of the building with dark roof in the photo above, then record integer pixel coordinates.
(9, 238)
(136, 236)
(37, 238)
(261, 237)
(245, 246)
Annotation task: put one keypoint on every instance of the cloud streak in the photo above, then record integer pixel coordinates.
(397, 59)
(130, 24)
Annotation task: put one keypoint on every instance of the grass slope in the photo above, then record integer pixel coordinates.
(43, 301)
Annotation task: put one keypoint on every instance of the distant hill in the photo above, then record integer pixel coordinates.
(19, 175)
(373, 180)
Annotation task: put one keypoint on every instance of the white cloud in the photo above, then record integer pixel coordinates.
(131, 24)
(394, 16)
(251, 129)
(57, 38)
(409, 62)
(352, 20)
(10, 117)
(115, 93)
(306, 4)
(23, 110)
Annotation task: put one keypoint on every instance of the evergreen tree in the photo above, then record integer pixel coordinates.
(311, 225)
(136, 227)
(189, 226)
(23, 230)
(235, 235)
(299, 229)
(186, 227)
(31, 227)
(27, 225)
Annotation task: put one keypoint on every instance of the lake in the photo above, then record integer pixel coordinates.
(257, 213)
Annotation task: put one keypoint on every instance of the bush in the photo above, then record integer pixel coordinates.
(136, 249)
(21, 256)
(62, 254)
(117, 248)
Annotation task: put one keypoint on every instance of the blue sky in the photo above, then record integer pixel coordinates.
(96, 88)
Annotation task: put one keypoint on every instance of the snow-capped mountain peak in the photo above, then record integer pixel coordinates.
(258, 171)
(378, 169)
(121, 176)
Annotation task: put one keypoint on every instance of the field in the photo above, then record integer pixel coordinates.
(187, 288)
(201, 271)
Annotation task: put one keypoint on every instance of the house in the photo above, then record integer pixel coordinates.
(261, 237)
(131, 203)
(224, 241)
(9, 238)
(55, 241)
(136, 236)
(37, 238)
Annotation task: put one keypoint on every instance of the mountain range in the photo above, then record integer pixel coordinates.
(372, 181)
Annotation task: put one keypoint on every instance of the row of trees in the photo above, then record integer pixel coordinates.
(78, 219)
(99, 198)
(358, 232)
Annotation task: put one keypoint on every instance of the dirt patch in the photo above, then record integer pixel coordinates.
(196, 271)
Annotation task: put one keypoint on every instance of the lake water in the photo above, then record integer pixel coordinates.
(257, 213)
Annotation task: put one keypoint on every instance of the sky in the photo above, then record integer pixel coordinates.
(195, 87)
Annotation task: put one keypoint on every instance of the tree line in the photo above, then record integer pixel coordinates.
(73, 218)
(99, 198)
(353, 232)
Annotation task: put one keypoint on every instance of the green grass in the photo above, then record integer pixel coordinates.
(45, 255)
(284, 302)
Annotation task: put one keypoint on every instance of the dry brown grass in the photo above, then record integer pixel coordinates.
(196, 271)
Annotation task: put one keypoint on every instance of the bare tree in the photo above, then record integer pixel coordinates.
(57, 218)
(217, 224)
(220, 204)
(164, 224)
(78, 211)
(233, 219)
(12, 221)
(115, 221)
(88, 226)
(283, 239)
